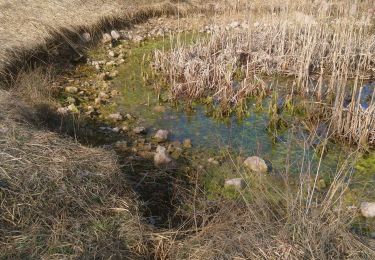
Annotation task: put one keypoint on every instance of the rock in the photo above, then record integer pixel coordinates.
(125, 128)
(368, 209)
(116, 129)
(104, 76)
(110, 63)
(213, 161)
(256, 164)
(72, 108)
(98, 101)
(139, 130)
(103, 95)
(71, 100)
(71, 90)
(129, 117)
(111, 54)
(161, 157)
(115, 117)
(161, 135)
(62, 110)
(187, 143)
(107, 38)
(114, 74)
(114, 93)
(235, 24)
(237, 183)
(3, 129)
(115, 35)
(86, 37)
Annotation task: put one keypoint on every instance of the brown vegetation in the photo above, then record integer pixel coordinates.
(60, 199)
(322, 45)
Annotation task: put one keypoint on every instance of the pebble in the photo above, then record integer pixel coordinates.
(161, 135)
(62, 110)
(72, 108)
(86, 37)
(368, 209)
(121, 145)
(237, 183)
(139, 130)
(161, 156)
(107, 38)
(115, 35)
(187, 143)
(213, 161)
(115, 117)
(71, 90)
(111, 54)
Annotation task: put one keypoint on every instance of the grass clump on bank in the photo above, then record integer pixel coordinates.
(59, 198)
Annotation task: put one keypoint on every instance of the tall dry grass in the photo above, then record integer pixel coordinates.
(323, 45)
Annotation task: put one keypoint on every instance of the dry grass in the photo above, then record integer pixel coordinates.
(59, 199)
(322, 45)
(270, 220)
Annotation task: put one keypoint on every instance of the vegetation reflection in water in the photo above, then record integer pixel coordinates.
(248, 135)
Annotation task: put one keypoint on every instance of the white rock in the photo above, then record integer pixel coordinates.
(256, 164)
(72, 108)
(115, 117)
(213, 161)
(139, 130)
(116, 129)
(234, 24)
(115, 35)
(237, 183)
(86, 37)
(71, 90)
(368, 209)
(111, 54)
(161, 157)
(107, 38)
(161, 135)
(62, 110)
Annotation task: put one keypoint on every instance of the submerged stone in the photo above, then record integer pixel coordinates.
(161, 135)
(187, 143)
(256, 164)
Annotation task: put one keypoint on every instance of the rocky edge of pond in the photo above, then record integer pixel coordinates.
(99, 92)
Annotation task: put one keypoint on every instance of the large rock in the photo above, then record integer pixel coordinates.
(237, 183)
(161, 135)
(256, 164)
(368, 209)
(161, 156)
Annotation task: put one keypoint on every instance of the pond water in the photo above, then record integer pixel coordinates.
(247, 135)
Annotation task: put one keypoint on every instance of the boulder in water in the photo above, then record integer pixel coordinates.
(256, 164)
